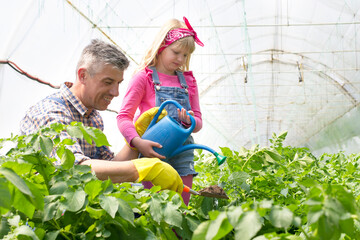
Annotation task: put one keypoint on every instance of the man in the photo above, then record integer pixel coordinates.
(99, 72)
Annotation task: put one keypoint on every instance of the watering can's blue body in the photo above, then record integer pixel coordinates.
(172, 135)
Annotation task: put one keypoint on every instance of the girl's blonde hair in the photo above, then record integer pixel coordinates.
(150, 58)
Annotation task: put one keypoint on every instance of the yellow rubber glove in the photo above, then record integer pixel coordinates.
(159, 173)
(144, 120)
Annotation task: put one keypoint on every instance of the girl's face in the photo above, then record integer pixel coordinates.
(171, 59)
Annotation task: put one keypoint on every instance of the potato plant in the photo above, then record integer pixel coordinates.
(276, 192)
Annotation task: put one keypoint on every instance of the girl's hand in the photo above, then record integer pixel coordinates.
(145, 147)
(184, 117)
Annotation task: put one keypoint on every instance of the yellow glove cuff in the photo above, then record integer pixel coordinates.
(144, 120)
(159, 173)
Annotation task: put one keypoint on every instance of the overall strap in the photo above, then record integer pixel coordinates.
(182, 79)
(155, 76)
(56, 99)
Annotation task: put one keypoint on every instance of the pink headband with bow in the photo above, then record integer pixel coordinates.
(178, 33)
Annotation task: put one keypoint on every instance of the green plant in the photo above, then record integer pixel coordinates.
(40, 200)
(276, 192)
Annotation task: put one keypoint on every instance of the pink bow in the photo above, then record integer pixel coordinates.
(178, 33)
(196, 39)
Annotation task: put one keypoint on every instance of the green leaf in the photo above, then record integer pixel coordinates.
(226, 151)
(59, 187)
(95, 213)
(192, 222)
(201, 231)
(234, 214)
(248, 226)
(107, 186)
(5, 196)
(219, 227)
(334, 210)
(52, 235)
(22, 204)
(74, 199)
(67, 159)
(50, 210)
(308, 182)
(4, 227)
(98, 137)
(38, 198)
(109, 204)
(58, 127)
(93, 189)
(306, 160)
(31, 159)
(25, 231)
(172, 216)
(74, 131)
(19, 168)
(273, 155)
(46, 145)
(284, 192)
(347, 226)
(86, 136)
(326, 230)
(68, 141)
(16, 180)
(281, 217)
(125, 211)
(156, 210)
(256, 162)
(40, 233)
(238, 178)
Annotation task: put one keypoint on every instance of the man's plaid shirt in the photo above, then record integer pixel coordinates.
(64, 107)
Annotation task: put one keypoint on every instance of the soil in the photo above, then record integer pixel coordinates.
(213, 191)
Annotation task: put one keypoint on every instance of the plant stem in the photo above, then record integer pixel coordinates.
(247, 161)
(303, 231)
(56, 225)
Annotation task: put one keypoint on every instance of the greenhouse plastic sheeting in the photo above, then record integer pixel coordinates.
(267, 65)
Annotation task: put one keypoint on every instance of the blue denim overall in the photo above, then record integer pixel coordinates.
(183, 162)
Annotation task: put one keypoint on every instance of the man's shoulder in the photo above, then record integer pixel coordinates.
(53, 102)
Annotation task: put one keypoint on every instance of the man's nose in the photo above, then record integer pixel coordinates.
(115, 91)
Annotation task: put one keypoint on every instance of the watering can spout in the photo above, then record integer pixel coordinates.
(220, 158)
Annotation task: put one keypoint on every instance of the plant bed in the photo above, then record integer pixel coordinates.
(276, 192)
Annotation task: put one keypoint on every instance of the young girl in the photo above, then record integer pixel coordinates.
(162, 75)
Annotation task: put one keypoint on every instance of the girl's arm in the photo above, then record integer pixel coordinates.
(194, 101)
(130, 103)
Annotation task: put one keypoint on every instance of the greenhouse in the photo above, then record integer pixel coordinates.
(279, 91)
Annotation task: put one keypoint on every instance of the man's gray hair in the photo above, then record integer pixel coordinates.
(99, 53)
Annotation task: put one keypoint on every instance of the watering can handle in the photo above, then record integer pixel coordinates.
(162, 106)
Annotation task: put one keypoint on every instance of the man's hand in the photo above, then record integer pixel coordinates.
(159, 173)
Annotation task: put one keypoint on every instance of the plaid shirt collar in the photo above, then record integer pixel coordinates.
(75, 101)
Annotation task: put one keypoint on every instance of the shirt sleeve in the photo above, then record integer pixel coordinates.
(130, 103)
(45, 114)
(59, 117)
(194, 99)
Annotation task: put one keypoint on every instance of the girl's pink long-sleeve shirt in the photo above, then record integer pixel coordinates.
(140, 97)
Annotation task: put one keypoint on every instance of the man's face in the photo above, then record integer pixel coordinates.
(102, 87)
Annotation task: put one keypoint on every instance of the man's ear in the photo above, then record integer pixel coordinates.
(82, 74)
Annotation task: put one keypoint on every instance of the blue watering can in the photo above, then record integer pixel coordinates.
(172, 135)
